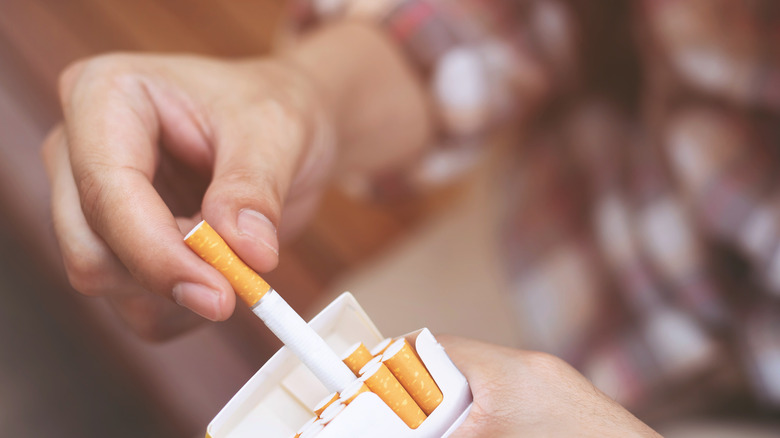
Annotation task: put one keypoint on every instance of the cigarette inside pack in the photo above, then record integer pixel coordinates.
(394, 373)
(391, 369)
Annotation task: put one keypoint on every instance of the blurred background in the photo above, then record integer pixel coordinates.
(630, 226)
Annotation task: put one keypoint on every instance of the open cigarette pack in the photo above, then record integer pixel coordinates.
(284, 399)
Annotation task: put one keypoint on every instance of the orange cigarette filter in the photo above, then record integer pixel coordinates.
(324, 403)
(403, 362)
(213, 249)
(332, 412)
(357, 357)
(381, 347)
(350, 392)
(383, 383)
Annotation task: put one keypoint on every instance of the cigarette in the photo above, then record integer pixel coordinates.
(331, 412)
(269, 306)
(381, 347)
(403, 362)
(381, 382)
(375, 359)
(312, 430)
(356, 357)
(324, 403)
(352, 391)
(215, 251)
(305, 426)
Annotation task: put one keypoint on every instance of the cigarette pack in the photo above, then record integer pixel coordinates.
(281, 397)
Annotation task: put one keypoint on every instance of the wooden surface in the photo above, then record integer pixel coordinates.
(130, 387)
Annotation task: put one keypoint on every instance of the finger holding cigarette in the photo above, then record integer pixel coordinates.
(215, 251)
(271, 308)
(113, 221)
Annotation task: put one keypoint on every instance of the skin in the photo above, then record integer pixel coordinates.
(150, 144)
(546, 397)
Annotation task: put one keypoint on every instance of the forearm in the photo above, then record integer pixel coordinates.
(376, 103)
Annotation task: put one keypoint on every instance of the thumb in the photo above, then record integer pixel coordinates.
(256, 155)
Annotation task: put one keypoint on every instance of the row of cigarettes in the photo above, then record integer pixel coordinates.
(391, 370)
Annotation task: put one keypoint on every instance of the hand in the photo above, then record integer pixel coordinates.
(142, 137)
(150, 144)
(528, 394)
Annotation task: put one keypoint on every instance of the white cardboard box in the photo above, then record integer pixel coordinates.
(280, 397)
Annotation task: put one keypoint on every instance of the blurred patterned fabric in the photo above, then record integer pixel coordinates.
(642, 219)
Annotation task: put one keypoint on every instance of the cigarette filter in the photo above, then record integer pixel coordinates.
(403, 362)
(374, 360)
(215, 251)
(353, 390)
(381, 346)
(331, 412)
(269, 406)
(381, 381)
(356, 357)
(269, 306)
(327, 401)
(305, 426)
(312, 430)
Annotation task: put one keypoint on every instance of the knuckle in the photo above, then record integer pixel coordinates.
(240, 176)
(544, 364)
(246, 186)
(285, 122)
(110, 64)
(287, 117)
(109, 69)
(91, 192)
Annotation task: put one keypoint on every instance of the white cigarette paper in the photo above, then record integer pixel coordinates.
(312, 430)
(305, 426)
(324, 403)
(331, 411)
(381, 346)
(280, 318)
(303, 341)
(352, 391)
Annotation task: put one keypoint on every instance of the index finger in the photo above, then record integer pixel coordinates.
(113, 130)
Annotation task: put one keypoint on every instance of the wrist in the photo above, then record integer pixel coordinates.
(367, 91)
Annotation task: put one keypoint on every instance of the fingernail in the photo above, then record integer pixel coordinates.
(200, 299)
(259, 228)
